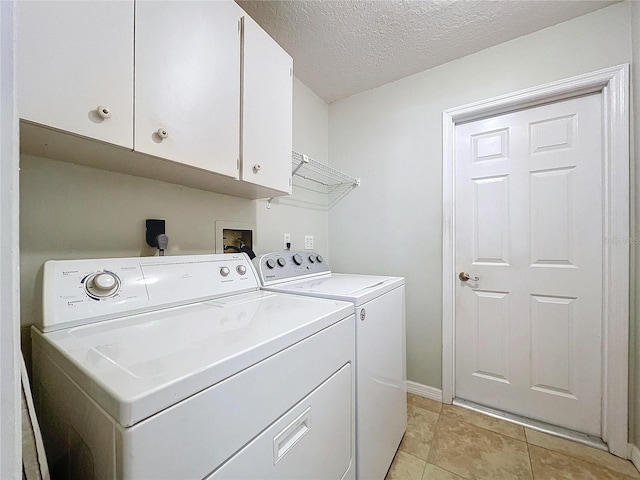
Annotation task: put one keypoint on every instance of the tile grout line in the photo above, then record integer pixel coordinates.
(526, 441)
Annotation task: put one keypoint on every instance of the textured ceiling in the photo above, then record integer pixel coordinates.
(341, 48)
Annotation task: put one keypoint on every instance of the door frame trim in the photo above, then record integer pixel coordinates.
(613, 83)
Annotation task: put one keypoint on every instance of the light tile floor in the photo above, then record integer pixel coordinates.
(445, 442)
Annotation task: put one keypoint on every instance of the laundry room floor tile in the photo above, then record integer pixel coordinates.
(444, 442)
(582, 452)
(548, 464)
(423, 402)
(473, 452)
(433, 472)
(421, 426)
(406, 467)
(484, 421)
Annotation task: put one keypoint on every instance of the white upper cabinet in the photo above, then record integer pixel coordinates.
(187, 83)
(267, 119)
(73, 57)
(195, 92)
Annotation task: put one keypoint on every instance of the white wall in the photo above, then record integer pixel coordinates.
(10, 420)
(634, 367)
(71, 211)
(392, 138)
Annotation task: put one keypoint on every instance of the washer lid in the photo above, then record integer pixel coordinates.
(136, 366)
(358, 289)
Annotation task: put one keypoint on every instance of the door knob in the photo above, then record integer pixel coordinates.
(465, 277)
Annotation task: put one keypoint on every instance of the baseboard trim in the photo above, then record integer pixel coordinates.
(424, 391)
(635, 456)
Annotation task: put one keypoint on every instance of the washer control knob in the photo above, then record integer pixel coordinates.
(102, 285)
(297, 259)
(224, 271)
(312, 259)
(104, 282)
(282, 262)
(270, 263)
(319, 259)
(241, 269)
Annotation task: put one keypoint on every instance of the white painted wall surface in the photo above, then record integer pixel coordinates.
(305, 212)
(634, 337)
(10, 420)
(392, 138)
(69, 211)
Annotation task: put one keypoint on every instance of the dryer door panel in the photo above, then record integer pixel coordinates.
(312, 440)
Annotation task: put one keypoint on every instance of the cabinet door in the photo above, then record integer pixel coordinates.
(188, 83)
(72, 57)
(267, 119)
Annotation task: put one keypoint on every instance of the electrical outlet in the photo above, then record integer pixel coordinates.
(287, 240)
(308, 242)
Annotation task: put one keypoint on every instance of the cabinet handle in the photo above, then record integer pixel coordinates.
(257, 167)
(103, 112)
(162, 133)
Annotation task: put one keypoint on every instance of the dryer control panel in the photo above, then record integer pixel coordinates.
(283, 266)
(76, 292)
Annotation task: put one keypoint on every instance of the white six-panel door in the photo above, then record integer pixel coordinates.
(528, 195)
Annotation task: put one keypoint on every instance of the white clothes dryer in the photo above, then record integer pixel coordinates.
(379, 307)
(181, 367)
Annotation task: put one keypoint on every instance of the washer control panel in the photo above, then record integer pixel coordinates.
(76, 292)
(282, 266)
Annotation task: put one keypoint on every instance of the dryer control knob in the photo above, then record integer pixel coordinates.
(297, 259)
(282, 262)
(312, 259)
(270, 263)
(241, 269)
(319, 258)
(224, 271)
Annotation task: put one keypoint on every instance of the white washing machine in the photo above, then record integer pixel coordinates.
(378, 302)
(182, 368)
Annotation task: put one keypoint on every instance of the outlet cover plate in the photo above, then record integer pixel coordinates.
(308, 242)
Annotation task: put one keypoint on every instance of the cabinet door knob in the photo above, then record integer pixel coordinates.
(162, 133)
(103, 112)
(257, 167)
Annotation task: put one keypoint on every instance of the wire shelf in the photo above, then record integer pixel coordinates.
(333, 183)
(309, 169)
(336, 183)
